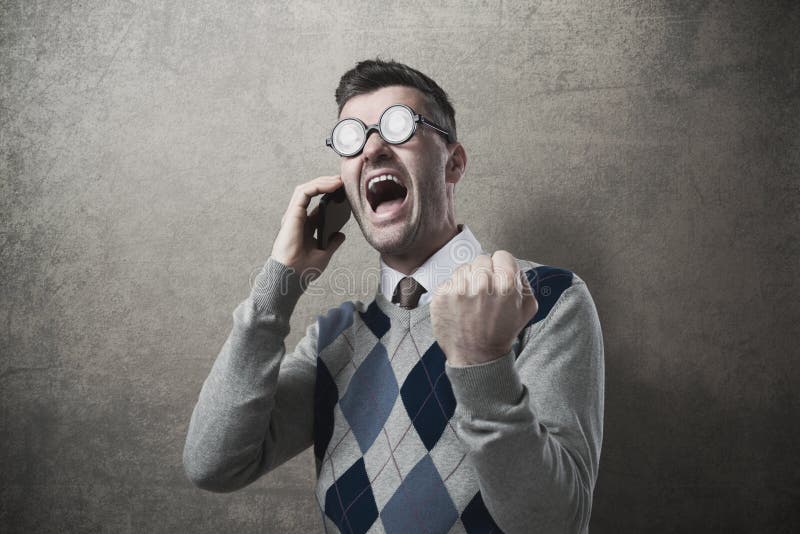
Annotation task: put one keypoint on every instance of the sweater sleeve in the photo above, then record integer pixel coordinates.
(255, 408)
(533, 421)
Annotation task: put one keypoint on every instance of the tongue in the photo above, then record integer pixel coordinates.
(389, 205)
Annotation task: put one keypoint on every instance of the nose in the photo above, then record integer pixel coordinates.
(376, 148)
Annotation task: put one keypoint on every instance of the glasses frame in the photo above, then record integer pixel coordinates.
(416, 119)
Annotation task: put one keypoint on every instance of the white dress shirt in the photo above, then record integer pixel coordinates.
(437, 269)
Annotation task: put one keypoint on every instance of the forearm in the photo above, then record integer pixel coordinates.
(231, 436)
(529, 480)
(533, 420)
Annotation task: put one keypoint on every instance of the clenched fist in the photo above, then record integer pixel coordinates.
(478, 312)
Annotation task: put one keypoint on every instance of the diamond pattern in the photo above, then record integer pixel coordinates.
(370, 396)
(420, 480)
(428, 396)
(448, 454)
(420, 504)
(376, 320)
(380, 470)
(349, 501)
(332, 324)
(548, 283)
(476, 518)
(325, 396)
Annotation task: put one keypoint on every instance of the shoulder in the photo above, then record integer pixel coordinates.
(566, 308)
(551, 285)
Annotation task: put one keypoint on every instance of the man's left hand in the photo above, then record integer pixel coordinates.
(478, 312)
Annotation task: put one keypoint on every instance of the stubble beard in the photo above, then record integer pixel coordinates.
(390, 241)
(402, 237)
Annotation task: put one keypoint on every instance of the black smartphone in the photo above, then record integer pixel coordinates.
(334, 212)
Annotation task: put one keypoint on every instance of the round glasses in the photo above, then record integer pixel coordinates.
(397, 124)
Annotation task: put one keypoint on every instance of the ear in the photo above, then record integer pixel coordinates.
(456, 163)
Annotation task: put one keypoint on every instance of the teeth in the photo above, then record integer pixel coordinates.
(381, 178)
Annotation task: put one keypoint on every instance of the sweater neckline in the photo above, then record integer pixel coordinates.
(395, 312)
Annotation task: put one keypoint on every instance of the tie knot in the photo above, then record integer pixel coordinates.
(407, 293)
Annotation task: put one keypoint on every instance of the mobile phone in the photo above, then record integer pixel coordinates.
(334, 212)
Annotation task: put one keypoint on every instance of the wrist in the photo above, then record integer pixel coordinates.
(277, 288)
(485, 390)
(463, 357)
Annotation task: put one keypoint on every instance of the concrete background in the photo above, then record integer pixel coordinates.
(149, 149)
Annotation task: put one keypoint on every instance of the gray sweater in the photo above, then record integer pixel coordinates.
(403, 441)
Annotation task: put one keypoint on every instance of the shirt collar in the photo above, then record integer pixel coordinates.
(462, 248)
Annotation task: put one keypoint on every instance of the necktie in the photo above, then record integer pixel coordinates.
(407, 293)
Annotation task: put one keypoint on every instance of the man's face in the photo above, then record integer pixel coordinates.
(394, 221)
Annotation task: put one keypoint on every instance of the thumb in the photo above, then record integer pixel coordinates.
(529, 302)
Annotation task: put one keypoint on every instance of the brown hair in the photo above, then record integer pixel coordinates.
(373, 74)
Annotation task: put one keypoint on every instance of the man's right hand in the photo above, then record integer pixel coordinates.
(295, 245)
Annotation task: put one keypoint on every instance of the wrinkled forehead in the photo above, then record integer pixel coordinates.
(369, 106)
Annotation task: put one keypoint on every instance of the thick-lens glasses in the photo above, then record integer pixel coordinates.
(396, 126)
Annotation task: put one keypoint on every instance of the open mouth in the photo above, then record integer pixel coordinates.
(385, 193)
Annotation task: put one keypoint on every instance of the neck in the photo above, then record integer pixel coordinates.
(409, 261)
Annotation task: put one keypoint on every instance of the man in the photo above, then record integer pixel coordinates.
(466, 397)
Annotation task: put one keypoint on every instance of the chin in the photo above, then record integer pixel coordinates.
(395, 239)
(390, 241)
(387, 242)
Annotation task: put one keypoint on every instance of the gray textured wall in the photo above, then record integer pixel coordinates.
(149, 149)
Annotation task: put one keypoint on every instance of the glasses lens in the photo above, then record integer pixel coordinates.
(397, 124)
(348, 136)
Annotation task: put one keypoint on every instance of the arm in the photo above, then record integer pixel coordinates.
(534, 425)
(255, 409)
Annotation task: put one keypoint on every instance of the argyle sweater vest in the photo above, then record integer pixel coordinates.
(403, 442)
(387, 453)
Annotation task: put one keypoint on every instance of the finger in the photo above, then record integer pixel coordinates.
(529, 302)
(481, 261)
(460, 279)
(303, 193)
(505, 272)
(505, 262)
(502, 283)
(309, 230)
(481, 278)
(524, 286)
(312, 220)
(481, 274)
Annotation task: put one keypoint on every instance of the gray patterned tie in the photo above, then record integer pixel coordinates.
(407, 293)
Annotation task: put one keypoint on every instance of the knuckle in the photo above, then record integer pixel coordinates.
(504, 257)
(441, 292)
(461, 289)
